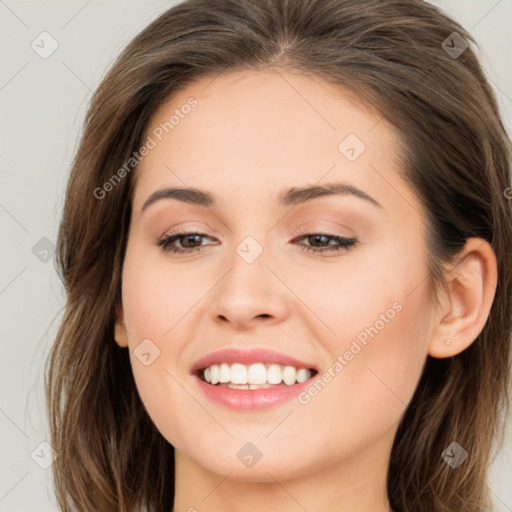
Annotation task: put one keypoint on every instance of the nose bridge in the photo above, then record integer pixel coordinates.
(249, 273)
(249, 289)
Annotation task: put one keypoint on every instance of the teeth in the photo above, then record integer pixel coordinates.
(303, 375)
(274, 374)
(255, 376)
(289, 374)
(248, 386)
(238, 374)
(224, 374)
(214, 374)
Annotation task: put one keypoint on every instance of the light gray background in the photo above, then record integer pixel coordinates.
(42, 105)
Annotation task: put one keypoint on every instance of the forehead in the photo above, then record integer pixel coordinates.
(255, 129)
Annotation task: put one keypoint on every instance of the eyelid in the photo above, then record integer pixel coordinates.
(188, 228)
(347, 232)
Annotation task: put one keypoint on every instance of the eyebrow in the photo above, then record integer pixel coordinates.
(292, 196)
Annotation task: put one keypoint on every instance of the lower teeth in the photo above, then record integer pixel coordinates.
(247, 386)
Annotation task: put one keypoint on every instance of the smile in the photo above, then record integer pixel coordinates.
(255, 376)
(251, 379)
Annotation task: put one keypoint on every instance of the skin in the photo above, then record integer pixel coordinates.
(252, 135)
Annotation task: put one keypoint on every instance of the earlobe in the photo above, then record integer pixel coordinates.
(120, 334)
(470, 289)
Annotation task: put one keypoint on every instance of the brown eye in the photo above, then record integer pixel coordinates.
(189, 241)
(341, 243)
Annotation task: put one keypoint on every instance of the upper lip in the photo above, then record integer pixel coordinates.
(249, 356)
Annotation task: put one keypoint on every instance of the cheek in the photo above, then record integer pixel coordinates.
(371, 379)
(349, 294)
(157, 296)
(156, 300)
(379, 339)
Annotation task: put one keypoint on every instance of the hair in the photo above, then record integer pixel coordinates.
(455, 156)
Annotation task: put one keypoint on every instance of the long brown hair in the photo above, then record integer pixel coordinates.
(456, 157)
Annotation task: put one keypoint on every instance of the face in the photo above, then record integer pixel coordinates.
(334, 283)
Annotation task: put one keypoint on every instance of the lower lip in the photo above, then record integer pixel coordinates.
(245, 399)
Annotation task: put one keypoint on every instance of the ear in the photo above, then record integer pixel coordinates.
(120, 334)
(466, 302)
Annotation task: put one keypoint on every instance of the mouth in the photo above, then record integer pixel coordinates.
(251, 379)
(254, 376)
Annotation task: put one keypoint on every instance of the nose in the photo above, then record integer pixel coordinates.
(250, 293)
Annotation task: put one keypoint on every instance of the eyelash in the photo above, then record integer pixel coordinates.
(345, 243)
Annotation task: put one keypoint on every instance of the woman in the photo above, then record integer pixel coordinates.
(286, 246)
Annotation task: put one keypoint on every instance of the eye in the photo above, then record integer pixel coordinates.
(191, 242)
(341, 243)
(188, 240)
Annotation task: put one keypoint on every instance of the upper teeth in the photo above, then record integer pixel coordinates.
(256, 373)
